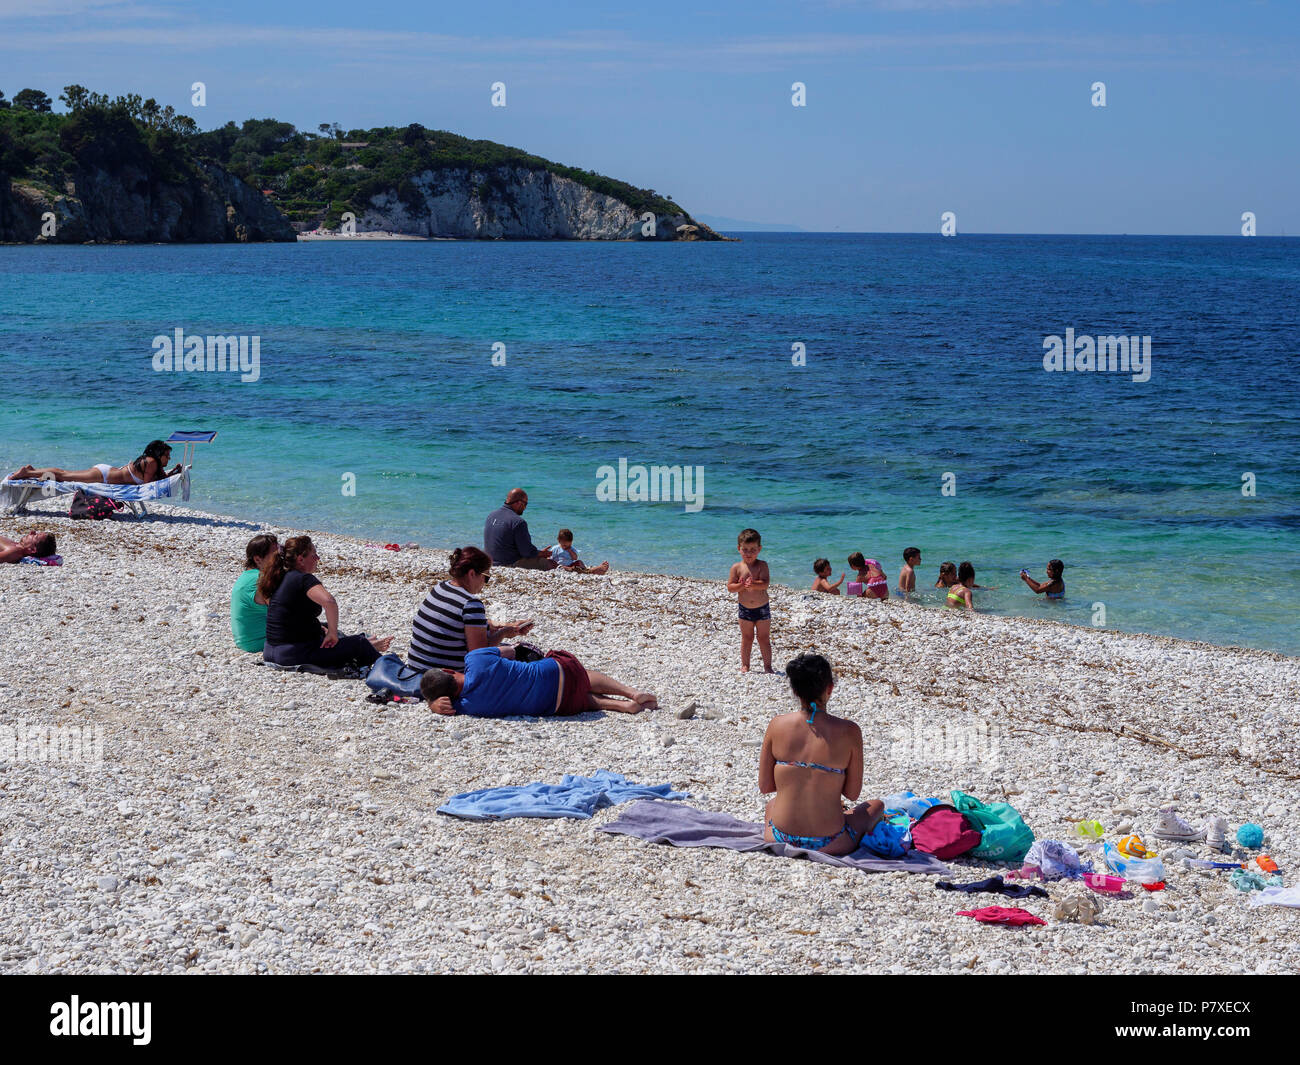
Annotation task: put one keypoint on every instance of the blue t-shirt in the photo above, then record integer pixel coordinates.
(502, 687)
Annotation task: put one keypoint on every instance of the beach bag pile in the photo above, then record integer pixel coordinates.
(945, 832)
(1004, 836)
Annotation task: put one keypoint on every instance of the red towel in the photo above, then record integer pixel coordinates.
(1002, 915)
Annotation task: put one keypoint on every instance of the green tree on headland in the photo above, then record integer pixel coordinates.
(32, 100)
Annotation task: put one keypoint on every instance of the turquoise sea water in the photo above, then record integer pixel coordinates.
(924, 358)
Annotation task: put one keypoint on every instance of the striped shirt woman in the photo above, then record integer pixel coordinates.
(451, 621)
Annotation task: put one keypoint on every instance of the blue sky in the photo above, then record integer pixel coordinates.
(915, 107)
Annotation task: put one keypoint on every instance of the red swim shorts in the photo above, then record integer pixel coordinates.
(577, 685)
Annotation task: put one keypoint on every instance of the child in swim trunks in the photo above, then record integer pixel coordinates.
(907, 575)
(749, 579)
(822, 567)
(812, 760)
(1054, 587)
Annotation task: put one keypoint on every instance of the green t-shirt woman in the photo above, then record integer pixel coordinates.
(247, 608)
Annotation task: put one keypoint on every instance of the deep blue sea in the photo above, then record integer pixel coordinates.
(924, 358)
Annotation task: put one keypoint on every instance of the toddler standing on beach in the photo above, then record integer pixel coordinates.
(749, 579)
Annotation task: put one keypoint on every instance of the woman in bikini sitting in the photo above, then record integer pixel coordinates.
(151, 466)
(812, 759)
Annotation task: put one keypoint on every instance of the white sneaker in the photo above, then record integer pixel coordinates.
(1216, 831)
(1172, 827)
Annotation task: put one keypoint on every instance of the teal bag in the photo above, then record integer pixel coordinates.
(1004, 835)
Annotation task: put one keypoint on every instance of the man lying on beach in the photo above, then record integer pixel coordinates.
(33, 545)
(506, 539)
(151, 466)
(495, 685)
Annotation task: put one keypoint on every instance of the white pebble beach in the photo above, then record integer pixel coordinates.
(245, 820)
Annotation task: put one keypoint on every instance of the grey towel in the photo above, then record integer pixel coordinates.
(680, 825)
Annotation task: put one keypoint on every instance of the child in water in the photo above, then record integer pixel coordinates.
(959, 595)
(907, 575)
(822, 567)
(1053, 587)
(874, 584)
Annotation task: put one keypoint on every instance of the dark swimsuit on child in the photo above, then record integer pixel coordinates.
(757, 613)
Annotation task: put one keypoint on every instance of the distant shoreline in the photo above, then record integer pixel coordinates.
(376, 234)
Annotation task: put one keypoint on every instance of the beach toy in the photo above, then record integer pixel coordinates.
(1133, 847)
(1090, 829)
(1245, 880)
(1106, 884)
(1250, 835)
(1143, 870)
(854, 588)
(1201, 863)
(1267, 864)
(1158, 885)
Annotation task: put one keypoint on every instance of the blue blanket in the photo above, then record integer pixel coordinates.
(573, 796)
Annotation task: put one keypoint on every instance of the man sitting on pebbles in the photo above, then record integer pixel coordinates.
(495, 685)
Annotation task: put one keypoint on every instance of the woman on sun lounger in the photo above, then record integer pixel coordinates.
(151, 466)
(295, 599)
(34, 545)
(812, 760)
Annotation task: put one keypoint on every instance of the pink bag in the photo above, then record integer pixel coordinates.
(945, 832)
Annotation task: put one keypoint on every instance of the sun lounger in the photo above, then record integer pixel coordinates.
(14, 495)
